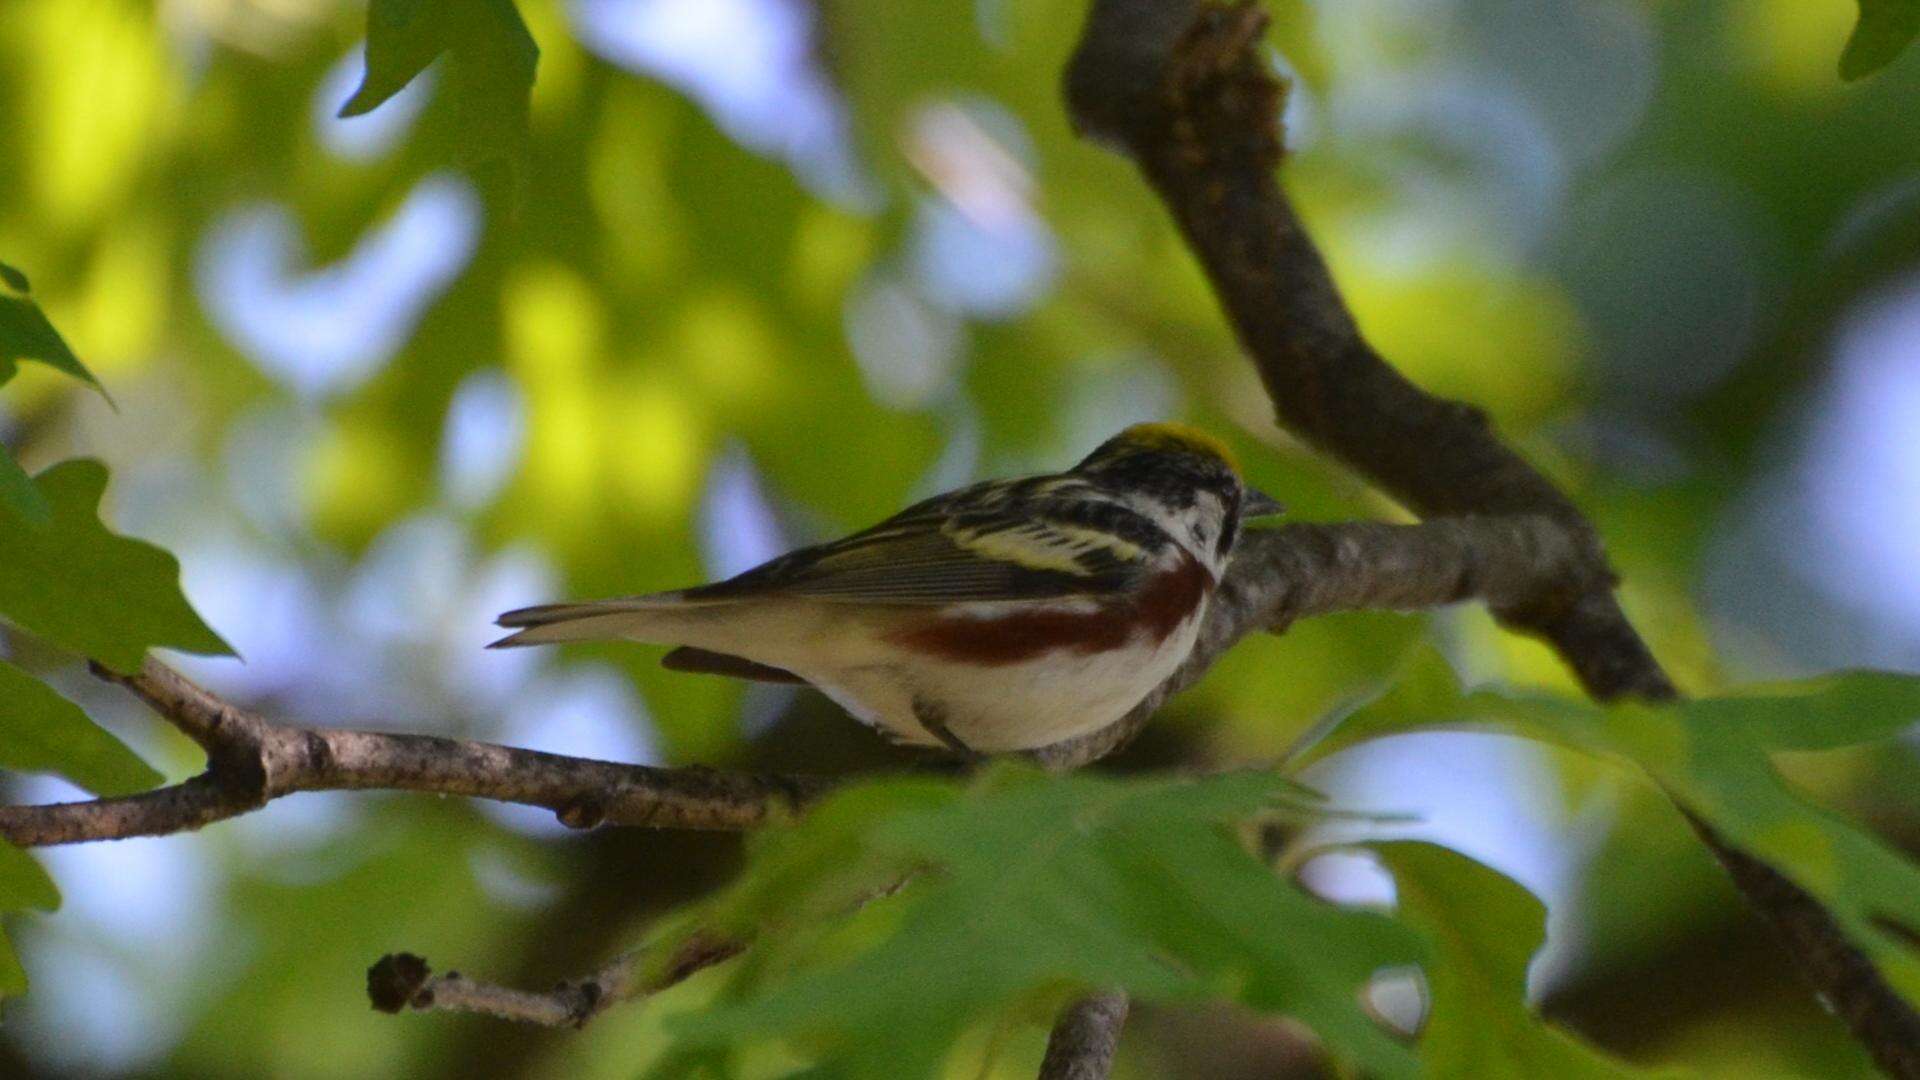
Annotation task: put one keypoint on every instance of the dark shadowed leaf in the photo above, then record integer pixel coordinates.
(1886, 28)
(19, 499)
(488, 74)
(76, 584)
(1028, 884)
(40, 731)
(25, 334)
(1485, 928)
(23, 885)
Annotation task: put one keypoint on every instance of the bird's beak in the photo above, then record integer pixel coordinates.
(1258, 504)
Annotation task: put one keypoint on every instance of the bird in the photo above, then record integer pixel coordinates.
(998, 618)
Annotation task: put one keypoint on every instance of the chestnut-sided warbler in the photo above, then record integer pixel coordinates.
(1008, 615)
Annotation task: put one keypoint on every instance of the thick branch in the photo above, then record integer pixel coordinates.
(1085, 1038)
(1181, 87)
(1277, 576)
(402, 981)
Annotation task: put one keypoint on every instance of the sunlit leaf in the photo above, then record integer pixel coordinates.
(1485, 928)
(1025, 882)
(489, 69)
(1886, 28)
(40, 731)
(76, 584)
(1710, 755)
(23, 885)
(25, 334)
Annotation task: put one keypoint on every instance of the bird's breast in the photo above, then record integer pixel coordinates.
(1148, 615)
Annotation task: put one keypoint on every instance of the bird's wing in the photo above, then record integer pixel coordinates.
(975, 545)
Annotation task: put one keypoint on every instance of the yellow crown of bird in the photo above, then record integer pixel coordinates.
(1167, 435)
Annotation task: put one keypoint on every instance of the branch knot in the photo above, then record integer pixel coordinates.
(396, 980)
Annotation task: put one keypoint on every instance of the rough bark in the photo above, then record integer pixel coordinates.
(1085, 1038)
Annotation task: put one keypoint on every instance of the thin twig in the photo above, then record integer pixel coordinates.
(401, 982)
(1182, 88)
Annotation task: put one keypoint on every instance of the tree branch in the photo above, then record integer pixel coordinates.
(1277, 576)
(252, 761)
(1085, 1038)
(1181, 87)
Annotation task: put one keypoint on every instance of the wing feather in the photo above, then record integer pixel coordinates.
(975, 547)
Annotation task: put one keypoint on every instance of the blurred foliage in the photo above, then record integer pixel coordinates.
(1886, 27)
(76, 584)
(25, 333)
(1017, 884)
(1486, 929)
(1711, 755)
(602, 296)
(45, 732)
(23, 885)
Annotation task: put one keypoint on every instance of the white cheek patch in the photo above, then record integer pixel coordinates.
(1204, 526)
(1207, 516)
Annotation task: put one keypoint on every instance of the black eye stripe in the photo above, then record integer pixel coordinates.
(1229, 526)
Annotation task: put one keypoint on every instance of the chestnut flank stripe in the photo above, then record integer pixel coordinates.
(1153, 612)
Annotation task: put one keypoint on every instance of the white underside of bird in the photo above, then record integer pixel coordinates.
(850, 653)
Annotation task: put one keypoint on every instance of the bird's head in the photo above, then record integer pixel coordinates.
(1186, 480)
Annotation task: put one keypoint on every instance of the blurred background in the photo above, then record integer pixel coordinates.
(774, 268)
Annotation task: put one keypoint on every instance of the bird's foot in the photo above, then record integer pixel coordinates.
(933, 717)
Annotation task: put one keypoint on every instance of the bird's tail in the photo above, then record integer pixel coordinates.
(661, 618)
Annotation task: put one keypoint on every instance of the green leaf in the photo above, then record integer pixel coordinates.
(1027, 886)
(1486, 929)
(1710, 755)
(23, 884)
(489, 71)
(76, 584)
(25, 334)
(1823, 713)
(1826, 712)
(40, 731)
(1886, 28)
(19, 498)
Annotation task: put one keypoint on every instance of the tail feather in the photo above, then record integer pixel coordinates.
(642, 618)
